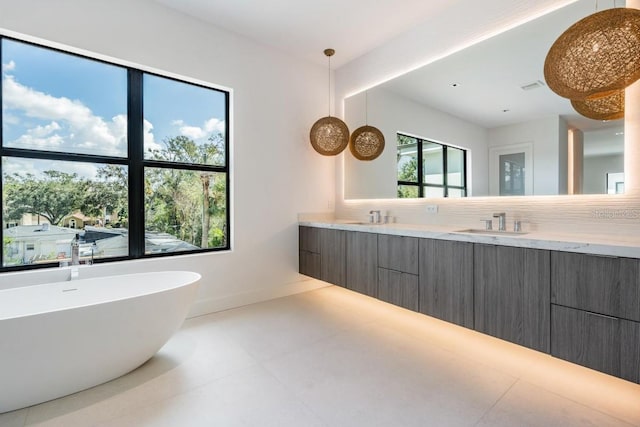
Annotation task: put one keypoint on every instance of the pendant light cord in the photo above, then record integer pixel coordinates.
(366, 108)
(329, 86)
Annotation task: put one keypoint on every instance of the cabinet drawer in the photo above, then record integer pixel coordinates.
(588, 339)
(398, 253)
(398, 288)
(598, 284)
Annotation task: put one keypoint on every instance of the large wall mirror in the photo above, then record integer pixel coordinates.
(482, 122)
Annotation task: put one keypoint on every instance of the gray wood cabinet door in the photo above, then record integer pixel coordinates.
(309, 239)
(446, 281)
(309, 251)
(362, 263)
(588, 339)
(309, 264)
(333, 250)
(594, 283)
(512, 294)
(398, 253)
(398, 288)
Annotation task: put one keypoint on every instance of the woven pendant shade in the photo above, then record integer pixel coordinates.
(596, 56)
(609, 107)
(329, 136)
(367, 143)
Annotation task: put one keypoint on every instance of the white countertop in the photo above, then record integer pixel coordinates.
(587, 244)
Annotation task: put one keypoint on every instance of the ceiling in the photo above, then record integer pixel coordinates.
(483, 84)
(304, 28)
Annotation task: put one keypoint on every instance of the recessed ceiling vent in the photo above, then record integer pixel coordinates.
(532, 85)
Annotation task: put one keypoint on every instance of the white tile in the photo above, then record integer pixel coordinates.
(602, 392)
(528, 405)
(374, 376)
(248, 398)
(187, 361)
(13, 418)
(333, 357)
(276, 327)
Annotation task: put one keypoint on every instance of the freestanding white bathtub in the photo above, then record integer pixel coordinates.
(60, 338)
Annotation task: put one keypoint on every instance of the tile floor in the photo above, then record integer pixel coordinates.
(331, 357)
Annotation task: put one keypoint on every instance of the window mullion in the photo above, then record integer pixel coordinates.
(135, 140)
(420, 169)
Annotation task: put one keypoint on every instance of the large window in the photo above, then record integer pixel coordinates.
(131, 163)
(430, 169)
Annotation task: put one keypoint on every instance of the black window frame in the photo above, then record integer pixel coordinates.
(420, 184)
(135, 163)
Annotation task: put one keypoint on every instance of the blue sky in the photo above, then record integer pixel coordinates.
(62, 102)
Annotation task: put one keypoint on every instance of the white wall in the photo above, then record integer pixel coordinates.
(596, 169)
(549, 139)
(276, 99)
(392, 114)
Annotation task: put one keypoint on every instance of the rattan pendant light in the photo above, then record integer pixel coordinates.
(610, 107)
(366, 142)
(329, 135)
(597, 56)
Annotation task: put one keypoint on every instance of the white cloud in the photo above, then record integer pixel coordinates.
(214, 125)
(192, 132)
(40, 137)
(14, 165)
(84, 131)
(9, 67)
(149, 140)
(211, 126)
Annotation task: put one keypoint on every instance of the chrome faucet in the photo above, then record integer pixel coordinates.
(375, 217)
(502, 223)
(75, 251)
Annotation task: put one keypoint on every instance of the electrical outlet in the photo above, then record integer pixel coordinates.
(432, 209)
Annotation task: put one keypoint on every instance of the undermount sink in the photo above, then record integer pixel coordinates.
(491, 232)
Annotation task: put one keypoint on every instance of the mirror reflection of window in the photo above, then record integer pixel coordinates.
(512, 174)
(430, 169)
(615, 183)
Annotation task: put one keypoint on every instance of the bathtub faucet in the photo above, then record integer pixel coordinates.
(75, 250)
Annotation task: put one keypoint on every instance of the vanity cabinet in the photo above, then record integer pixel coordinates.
(446, 280)
(578, 307)
(512, 294)
(309, 251)
(398, 270)
(596, 312)
(362, 262)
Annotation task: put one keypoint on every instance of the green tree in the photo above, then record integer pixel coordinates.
(54, 196)
(107, 194)
(408, 170)
(171, 204)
